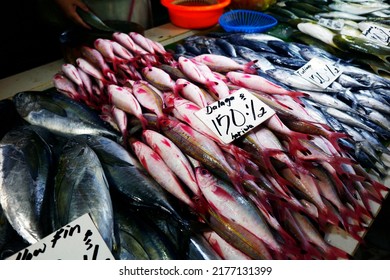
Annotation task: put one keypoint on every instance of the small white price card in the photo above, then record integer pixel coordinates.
(319, 72)
(78, 240)
(378, 34)
(233, 116)
(334, 24)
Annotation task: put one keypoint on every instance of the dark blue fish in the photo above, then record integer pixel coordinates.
(272, 80)
(379, 131)
(257, 46)
(227, 47)
(285, 48)
(192, 48)
(365, 161)
(180, 49)
(212, 49)
(384, 93)
(309, 52)
(289, 62)
(250, 55)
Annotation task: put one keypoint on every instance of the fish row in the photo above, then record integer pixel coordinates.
(355, 103)
(48, 180)
(352, 29)
(265, 195)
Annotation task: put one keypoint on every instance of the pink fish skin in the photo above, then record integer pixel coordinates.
(312, 234)
(176, 160)
(218, 88)
(126, 41)
(223, 64)
(142, 42)
(158, 78)
(224, 199)
(91, 70)
(96, 58)
(87, 82)
(191, 92)
(196, 145)
(224, 249)
(107, 116)
(257, 82)
(66, 86)
(158, 169)
(185, 110)
(148, 98)
(191, 70)
(71, 72)
(105, 47)
(308, 186)
(120, 118)
(122, 98)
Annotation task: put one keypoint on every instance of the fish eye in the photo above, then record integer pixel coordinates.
(204, 171)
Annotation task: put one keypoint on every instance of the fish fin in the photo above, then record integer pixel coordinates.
(248, 67)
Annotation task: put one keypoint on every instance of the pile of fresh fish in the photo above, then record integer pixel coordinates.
(356, 103)
(165, 187)
(355, 29)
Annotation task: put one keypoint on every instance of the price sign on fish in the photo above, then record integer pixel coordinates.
(78, 240)
(233, 116)
(378, 34)
(337, 24)
(319, 72)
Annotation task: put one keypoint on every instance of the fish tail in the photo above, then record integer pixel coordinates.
(150, 59)
(178, 88)
(377, 189)
(241, 237)
(333, 138)
(144, 121)
(241, 157)
(294, 144)
(304, 250)
(334, 253)
(354, 230)
(348, 217)
(248, 67)
(360, 209)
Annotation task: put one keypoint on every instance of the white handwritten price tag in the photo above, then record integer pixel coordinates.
(378, 34)
(78, 240)
(232, 117)
(334, 24)
(319, 72)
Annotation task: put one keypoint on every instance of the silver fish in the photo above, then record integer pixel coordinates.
(60, 114)
(373, 103)
(250, 55)
(141, 240)
(329, 101)
(200, 249)
(25, 160)
(81, 187)
(357, 8)
(127, 177)
(341, 15)
(348, 119)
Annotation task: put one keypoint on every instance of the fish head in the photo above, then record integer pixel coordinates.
(25, 102)
(204, 178)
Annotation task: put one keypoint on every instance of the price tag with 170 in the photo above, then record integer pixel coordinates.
(319, 72)
(233, 116)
